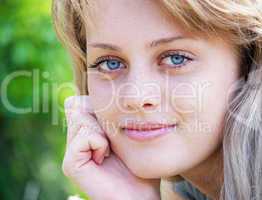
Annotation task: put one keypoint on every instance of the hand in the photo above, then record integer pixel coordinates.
(90, 164)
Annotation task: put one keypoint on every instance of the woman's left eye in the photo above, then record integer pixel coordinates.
(174, 59)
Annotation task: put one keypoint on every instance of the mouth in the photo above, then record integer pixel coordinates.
(144, 132)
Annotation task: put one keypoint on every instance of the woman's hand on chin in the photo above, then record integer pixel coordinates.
(90, 164)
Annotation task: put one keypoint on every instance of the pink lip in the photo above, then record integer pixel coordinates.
(148, 132)
(146, 126)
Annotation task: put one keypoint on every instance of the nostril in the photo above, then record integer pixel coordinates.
(148, 105)
(137, 104)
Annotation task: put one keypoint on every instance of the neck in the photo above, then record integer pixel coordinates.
(207, 177)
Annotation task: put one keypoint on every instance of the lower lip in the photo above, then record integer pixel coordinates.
(148, 135)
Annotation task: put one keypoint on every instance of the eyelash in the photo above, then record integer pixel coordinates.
(103, 59)
(172, 53)
(161, 57)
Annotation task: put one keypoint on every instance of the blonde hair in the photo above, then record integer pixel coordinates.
(242, 21)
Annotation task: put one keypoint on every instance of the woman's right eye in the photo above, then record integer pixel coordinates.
(108, 64)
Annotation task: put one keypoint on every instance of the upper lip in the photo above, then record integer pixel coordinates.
(146, 126)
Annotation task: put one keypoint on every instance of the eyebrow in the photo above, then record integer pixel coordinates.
(152, 44)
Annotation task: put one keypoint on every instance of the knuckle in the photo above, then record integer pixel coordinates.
(99, 139)
(103, 140)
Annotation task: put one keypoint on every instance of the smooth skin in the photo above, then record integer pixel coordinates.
(127, 81)
(89, 163)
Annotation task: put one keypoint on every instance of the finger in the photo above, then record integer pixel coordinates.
(100, 154)
(73, 162)
(79, 113)
(77, 120)
(79, 102)
(86, 141)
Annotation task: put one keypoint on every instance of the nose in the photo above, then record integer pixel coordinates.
(138, 104)
(140, 99)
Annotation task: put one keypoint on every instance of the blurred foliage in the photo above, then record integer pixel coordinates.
(32, 143)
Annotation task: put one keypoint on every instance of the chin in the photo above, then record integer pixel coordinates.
(146, 174)
(153, 171)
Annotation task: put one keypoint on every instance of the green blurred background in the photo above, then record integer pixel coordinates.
(35, 74)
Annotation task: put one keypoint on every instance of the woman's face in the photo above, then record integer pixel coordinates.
(153, 71)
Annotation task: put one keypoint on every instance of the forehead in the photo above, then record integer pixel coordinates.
(131, 19)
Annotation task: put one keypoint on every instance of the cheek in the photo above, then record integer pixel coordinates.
(185, 98)
(216, 96)
(206, 96)
(101, 92)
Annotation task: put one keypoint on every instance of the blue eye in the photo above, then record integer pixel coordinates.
(112, 64)
(108, 64)
(174, 59)
(177, 59)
